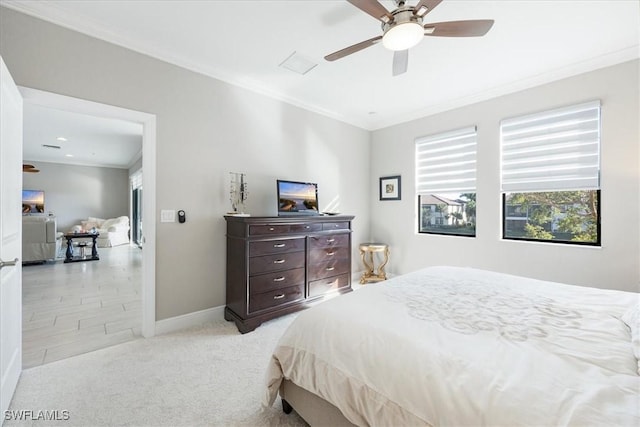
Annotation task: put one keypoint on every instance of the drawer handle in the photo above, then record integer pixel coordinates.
(331, 240)
(337, 225)
(279, 245)
(307, 227)
(280, 296)
(271, 228)
(330, 253)
(279, 279)
(330, 268)
(279, 261)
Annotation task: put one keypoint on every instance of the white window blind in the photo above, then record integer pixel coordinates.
(446, 162)
(553, 150)
(136, 180)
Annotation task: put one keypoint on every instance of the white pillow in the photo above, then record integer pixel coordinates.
(632, 319)
(108, 223)
(88, 225)
(99, 221)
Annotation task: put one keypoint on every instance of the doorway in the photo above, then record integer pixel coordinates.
(147, 176)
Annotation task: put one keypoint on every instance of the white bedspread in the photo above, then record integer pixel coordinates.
(460, 347)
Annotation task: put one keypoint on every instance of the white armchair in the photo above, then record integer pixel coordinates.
(113, 231)
(41, 240)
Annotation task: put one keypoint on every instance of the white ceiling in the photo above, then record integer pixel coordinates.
(90, 140)
(243, 42)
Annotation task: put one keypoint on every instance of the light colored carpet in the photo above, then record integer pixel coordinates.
(206, 376)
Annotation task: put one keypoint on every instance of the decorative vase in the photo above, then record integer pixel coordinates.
(238, 194)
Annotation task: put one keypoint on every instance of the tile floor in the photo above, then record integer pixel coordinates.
(74, 308)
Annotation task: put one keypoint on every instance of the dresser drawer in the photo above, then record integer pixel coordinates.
(275, 298)
(261, 230)
(319, 287)
(335, 226)
(276, 280)
(327, 269)
(269, 263)
(305, 228)
(276, 246)
(317, 255)
(329, 241)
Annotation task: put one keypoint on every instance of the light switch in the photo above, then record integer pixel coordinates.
(167, 216)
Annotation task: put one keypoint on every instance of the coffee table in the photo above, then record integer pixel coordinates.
(94, 248)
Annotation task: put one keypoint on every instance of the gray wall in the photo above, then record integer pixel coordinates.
(205, 129)
(74, 193)
(615, 265)
(137, 165)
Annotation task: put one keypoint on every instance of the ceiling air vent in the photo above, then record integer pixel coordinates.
(298, 63)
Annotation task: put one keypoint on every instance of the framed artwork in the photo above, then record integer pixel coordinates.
(390, 188)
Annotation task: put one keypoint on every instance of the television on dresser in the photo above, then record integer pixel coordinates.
(32, 201)
(297, 198)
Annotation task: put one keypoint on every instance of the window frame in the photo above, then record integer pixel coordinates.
(597, 243)
(554, 142)
(449, 162)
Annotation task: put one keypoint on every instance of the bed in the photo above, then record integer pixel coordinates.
(460, 346)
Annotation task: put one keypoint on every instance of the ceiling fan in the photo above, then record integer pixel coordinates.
(29, 168)
(403, 28)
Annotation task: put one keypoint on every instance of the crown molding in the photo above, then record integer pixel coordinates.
(624, 55)
(53, 14)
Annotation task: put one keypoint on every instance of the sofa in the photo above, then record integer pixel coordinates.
(113, 231)
(41, 240)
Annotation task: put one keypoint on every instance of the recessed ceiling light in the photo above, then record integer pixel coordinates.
(68, 155)
(61, 138)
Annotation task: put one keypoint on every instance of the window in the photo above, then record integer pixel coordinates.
(551, 175)
(446, 182)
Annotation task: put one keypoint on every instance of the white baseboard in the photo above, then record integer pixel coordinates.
(184, 321)
(197, 318)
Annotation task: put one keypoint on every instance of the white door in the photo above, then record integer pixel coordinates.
(10, 237)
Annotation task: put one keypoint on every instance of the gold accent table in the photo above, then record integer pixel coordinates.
(369, 275)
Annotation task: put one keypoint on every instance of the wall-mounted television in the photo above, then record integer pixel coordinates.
(297, 198)
(32, 201)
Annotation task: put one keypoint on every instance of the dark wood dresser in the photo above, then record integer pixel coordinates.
(278, 265)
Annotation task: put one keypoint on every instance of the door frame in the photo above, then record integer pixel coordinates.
(148, 121)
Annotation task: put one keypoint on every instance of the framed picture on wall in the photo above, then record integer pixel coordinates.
(390, 188)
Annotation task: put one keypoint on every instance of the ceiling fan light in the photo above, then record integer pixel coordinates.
(403, 36)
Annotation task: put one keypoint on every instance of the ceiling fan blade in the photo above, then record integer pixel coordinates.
(400, 61)
(425, 6)
(474, 28)
(373, 8)
(352, 49)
